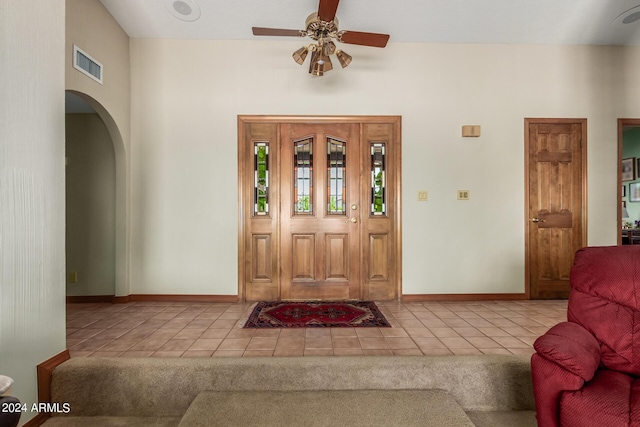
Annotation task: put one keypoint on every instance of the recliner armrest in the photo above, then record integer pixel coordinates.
(572, 347)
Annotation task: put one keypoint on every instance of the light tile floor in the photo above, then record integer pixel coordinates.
(156, 329)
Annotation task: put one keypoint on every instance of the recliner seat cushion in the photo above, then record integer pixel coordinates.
(603, 401)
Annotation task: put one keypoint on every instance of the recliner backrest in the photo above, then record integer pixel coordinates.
(605, 282)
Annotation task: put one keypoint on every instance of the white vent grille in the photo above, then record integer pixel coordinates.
(86, 64)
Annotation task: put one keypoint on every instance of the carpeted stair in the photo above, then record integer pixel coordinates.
(401, 390)
(425, 408)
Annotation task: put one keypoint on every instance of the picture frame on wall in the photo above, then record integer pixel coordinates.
(634, 192)
(629, 169)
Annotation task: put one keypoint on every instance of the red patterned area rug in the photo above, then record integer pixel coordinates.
(316, 314)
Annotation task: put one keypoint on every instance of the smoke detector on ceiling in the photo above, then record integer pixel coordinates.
(185, 10)
(629, 17)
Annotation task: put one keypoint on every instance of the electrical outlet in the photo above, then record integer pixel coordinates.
(463, 194)
(422, 196)
(73, 277)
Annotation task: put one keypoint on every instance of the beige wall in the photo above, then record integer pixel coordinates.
(93, 29)
(90, 205)
(90, 26)
(32, 319)
(186, 96)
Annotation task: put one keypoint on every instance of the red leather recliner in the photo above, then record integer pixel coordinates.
(585, 371)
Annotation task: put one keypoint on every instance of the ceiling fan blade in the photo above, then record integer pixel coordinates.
(365, 39)
(261, 31)
(327, 10)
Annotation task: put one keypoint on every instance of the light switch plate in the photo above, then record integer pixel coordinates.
(422, 196)
(463, 194)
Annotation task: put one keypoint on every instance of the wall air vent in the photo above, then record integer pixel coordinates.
(86, 64)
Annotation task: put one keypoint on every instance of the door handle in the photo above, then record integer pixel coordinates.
(353, 220)
(537, 220)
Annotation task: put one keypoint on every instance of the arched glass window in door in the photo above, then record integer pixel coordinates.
(336, 173)
(261, 178)
(378, 179)
(303, 177)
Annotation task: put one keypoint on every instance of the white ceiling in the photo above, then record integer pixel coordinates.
(431, 21)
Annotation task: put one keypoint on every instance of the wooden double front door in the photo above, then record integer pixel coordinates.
(319, 201)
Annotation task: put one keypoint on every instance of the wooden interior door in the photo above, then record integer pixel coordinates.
(320, 211)
(556, 202)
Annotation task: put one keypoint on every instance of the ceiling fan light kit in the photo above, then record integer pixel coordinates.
(329, 48)
(320, 63)
(300, 55)
(344, 58)
(322, 27)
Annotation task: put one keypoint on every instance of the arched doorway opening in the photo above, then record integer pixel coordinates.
(97, 231)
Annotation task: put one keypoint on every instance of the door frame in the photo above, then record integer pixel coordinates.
(527, 188)
(244, 211)
(622, 123)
